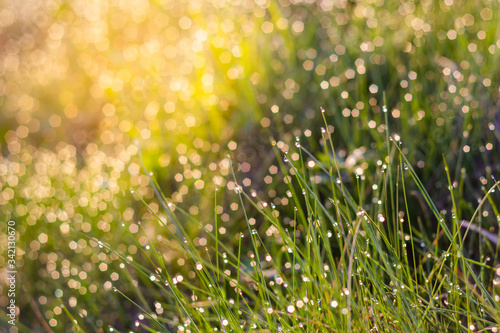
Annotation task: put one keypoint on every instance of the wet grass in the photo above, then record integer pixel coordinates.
(332, 259)
(317, 221)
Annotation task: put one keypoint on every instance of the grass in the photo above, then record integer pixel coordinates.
(331, 260)
(331, 214)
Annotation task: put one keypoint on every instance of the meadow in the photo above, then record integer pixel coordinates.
(250, 166)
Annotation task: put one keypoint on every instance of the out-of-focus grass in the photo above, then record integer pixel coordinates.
(193, 80)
